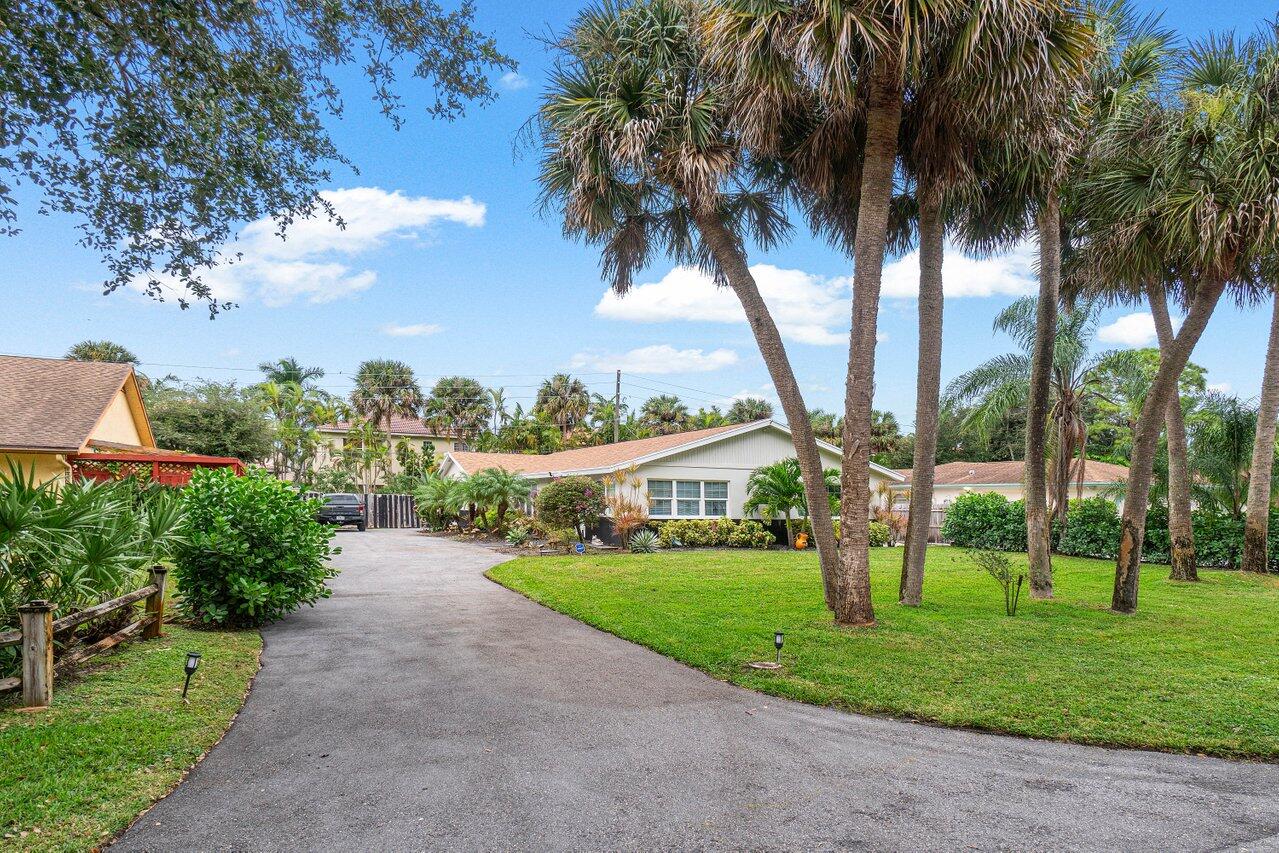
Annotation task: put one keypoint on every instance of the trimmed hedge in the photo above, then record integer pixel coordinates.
(992, 522)
(724, 533)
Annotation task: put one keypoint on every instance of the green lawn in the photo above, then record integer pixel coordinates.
(117, 738)
(1196, 669)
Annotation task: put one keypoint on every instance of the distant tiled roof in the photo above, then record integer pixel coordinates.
(399, 426)
(53, 405)
(993, 473)
(585, 458)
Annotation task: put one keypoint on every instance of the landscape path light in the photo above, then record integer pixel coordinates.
(192, 664)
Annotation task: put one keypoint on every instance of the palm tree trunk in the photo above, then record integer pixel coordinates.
(1146, 441)
(1257, 522)
(1037, 402)
(883, 121)
(731, 260)
(1181, 531)
(790, 534)
(927, 400)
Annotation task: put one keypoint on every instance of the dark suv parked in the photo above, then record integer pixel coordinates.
(343, 509)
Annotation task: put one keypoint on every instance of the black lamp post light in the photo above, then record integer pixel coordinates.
(778, 639)
(192, 664)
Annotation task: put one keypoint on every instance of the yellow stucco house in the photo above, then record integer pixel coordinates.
(52, 411)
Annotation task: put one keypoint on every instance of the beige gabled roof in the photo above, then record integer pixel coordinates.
(1012, 473)
(612, 457)
(53, 405)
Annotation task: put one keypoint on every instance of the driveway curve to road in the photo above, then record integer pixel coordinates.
(425, 707)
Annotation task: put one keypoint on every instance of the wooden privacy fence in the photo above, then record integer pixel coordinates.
(39, 627)
(390, 511)
(936, 518)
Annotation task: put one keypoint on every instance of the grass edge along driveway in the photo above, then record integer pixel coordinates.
(1196, 669)
(117, 737)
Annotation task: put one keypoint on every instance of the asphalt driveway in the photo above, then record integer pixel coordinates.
(424, 707)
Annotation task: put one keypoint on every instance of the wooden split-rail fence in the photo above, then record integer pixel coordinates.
(39, 627)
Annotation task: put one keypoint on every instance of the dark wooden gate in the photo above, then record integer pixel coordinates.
(390, 510)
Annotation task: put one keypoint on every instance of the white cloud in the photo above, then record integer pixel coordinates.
(514, 81)
(1009, 274)
(1133, 330)
(658, 358)
(310, 262)
(411, 331)
(807, 308)
(1219, 387)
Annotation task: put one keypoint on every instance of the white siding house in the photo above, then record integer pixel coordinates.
(699, 474)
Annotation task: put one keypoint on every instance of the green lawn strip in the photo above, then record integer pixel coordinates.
(1196, 669)
(117, 738)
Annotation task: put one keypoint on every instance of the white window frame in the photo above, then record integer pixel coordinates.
(673, 500)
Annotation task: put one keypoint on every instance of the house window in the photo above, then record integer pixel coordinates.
(688, 498)
(659, 497)
(716, 499)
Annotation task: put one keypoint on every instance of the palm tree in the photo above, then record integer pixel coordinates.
(1181, 530)
(500, 489)
(385, 388)
(777, 489)
(707, 418)
(826, 425)
(1004, 383)
(107, 351)
(458, 406)
(749, 409)
(664, 414)
(1172, 203)
(565, 400)
(1256, 529)
(500, 416)
(286, 370)
(1221, 448)
(640, 156)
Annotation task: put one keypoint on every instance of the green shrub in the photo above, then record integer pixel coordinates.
(1092, 529)
(255, 552)
(576, 502)
(517, 535)
(718, 532)
(879, 534)
(986, 520)
(644, 541)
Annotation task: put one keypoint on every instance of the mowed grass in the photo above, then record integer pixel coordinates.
(1196, 669)
(117, 737)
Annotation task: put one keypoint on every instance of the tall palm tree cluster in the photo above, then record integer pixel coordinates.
(703, 130)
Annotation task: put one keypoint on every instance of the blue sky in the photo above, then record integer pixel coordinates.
(449, 266)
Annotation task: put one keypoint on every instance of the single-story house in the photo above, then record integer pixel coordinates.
(697, 474)
(412, 430)
(1006, 478)
(65, 418)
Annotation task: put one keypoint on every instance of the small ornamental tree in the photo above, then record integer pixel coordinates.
(254, 552)
(576, 502)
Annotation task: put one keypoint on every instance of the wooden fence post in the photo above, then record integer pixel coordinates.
(155, 604)
(37, 653)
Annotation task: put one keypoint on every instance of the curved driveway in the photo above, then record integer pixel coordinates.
(425, 707)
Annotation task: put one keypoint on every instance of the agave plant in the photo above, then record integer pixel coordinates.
(644, 541)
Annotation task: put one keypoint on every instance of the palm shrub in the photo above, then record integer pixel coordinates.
(255, 551)
(438, 501)
(79, 545)
(499, 489)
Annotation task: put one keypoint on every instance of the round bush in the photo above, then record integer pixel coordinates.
(576, 502)
(879, 534)
(986, 520)
(1092, 529)
(255, 551)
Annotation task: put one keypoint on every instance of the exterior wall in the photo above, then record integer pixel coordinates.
(118, 424)
(730, 460)
(332, 444)
(48, 466)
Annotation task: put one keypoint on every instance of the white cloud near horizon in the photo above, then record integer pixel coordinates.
(656, 359)
(1219, 387)
(312, 262)
(1133, 330)
(1008, 274)
(413, 330)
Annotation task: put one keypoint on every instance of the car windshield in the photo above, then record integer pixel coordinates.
(342, 500)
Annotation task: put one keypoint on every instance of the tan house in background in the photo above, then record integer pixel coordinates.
(1006, 478)
(52, 410)
(412, 430)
